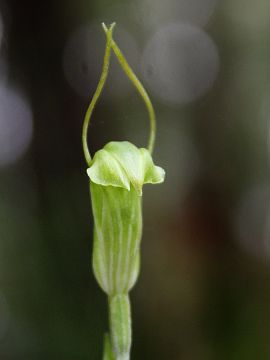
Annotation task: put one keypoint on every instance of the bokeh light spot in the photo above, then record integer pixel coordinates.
(16, 126)
(180, 63)
(83, 57)
(156, 12)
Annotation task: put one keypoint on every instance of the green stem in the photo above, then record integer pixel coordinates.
(103, 77)
(108, 352)
(120, 325)
(136, 82)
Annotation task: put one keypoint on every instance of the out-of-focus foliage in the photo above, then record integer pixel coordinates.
(206, 65)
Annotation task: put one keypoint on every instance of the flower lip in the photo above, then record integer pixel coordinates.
(122, 164)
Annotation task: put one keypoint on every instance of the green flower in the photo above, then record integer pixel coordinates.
(122, 164)
(117, 175)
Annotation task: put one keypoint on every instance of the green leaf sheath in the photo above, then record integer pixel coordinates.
(117, 235)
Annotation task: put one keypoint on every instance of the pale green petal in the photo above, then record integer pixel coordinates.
(152, 174)
(107, 171)
(120, 164)
(130, 159)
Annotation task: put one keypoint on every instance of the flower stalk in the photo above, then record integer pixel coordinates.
(117, 174)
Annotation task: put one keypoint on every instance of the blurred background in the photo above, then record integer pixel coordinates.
(204, 288)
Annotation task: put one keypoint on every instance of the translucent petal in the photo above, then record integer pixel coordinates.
(129, 157)
(120, 164)
(107, 171)
(152, 174)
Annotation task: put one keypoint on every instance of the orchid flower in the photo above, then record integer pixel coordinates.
(117, 174)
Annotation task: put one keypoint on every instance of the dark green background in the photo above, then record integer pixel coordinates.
(201, 294)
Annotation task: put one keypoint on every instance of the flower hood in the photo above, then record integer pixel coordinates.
(122, 164)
